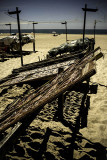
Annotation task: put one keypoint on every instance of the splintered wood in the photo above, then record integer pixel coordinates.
(48, 92)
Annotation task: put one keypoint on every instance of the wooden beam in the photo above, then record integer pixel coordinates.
(8, 139)
(60, 101)
(20, 38)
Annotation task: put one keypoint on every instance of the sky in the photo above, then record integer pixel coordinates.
(50, 13)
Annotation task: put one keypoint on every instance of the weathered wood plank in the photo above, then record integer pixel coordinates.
(8, 136)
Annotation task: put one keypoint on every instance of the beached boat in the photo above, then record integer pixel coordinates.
(79, 71)
(11, 43)
(23, 111)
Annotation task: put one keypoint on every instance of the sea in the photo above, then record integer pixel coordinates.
(58, 31)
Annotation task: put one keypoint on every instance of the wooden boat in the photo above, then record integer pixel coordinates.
(75, 73)
(22, 112)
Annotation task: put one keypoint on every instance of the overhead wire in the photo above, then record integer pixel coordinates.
(24, 21)
(29, 22)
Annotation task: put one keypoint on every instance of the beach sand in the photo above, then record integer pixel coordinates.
(96, 130)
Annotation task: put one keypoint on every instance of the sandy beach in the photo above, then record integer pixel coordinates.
(96, 130)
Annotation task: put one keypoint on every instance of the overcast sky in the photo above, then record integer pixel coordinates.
(54, 11)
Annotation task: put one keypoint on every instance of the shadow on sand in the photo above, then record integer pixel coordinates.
(79, 147)
(13, 54)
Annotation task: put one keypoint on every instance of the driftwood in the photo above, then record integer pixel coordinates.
(8, 140)
(81, 70)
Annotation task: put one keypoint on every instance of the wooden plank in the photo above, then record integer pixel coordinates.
(49, 91)
(19, 128)
(5, 141)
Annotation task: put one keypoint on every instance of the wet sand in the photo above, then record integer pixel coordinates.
(94, 136)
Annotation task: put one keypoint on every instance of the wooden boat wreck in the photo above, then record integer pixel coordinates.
(77, 72)
(22, 112)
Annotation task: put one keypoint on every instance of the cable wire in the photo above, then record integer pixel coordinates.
(102, 85)
(29, 22)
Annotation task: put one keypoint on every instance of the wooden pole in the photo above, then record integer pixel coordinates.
(94, 29)
(18, 22)
(65, 29)
(19, 35)
(85, 10)
(84, 23)
(60, 101)
(34, 36)
(10, 27)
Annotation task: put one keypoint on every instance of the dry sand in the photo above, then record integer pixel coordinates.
(96, 130)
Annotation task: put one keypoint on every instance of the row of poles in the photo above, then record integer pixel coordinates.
(18, 22)
(9, 24)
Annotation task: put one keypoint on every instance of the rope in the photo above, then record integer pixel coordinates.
(102, 85)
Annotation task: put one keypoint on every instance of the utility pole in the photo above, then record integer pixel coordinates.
(94, 29)
(34, 35)
(85, 10)
(65, 29)
(9, 24)
(18, 22)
